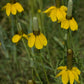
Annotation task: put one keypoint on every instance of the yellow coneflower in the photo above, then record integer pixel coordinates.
(37, 39)
(16, 38)
(13, 8)
(69, 23)
(56, 13)
(69, 75)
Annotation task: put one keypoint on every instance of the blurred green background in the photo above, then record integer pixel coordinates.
(16, 67)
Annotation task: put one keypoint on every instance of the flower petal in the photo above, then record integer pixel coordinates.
(76, 76)
(64, 8)
(25, 36)
(8, 9)
(49, 9)
(71, 77)
(76, 70)
(60, 73)
(13, 9)
(43, 39)
(19, 7)
(73, 24)
(53, 15)
(60, 15)
(65, 24)
(38, 43)
(31, 40)
(65, 78)
(16, 38)
(62, 68)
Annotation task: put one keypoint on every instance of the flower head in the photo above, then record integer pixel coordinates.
(56, 13)
(69, 75)
(37, 39)
(16, 38)
(69, 23)
(13, 8)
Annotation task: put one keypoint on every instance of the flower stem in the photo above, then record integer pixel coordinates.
(69, 58)
(44, 70)
(58, 3)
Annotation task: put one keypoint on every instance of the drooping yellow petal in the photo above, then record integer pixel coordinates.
(71, 77)
(19, 7)
(63, 8)
(31, 40)
(43, 39)
(13, 9)
(75, 76)
(49, 9)
(76, 70)
(73, 24)
(65, 24)
(38, 43)
(25, 36)
(8, 9)
(62, 68)
(16, 38)
(65, 78)
(60, 15)
(60, 73)
(53, 15)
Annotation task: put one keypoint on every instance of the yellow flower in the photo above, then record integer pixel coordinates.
(38, 40)
(69, 75)
(13, 8)
(66, 23)
(56, 13)
(16, 38)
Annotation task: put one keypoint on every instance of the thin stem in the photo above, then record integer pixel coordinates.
(33, 56)
(57, 3)
(44, 70)
(69, 59)
(26, 48)
(11, 18)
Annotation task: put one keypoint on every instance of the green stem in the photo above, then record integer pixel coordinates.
(58, 3)
(69, 39)
(33, 56)
(26, 48)
(11, 18)
(69, 59)
(44, 70)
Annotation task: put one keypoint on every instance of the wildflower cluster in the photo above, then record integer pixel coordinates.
(68, 75)
(64, 15)
(59, 13)
(13, 8)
